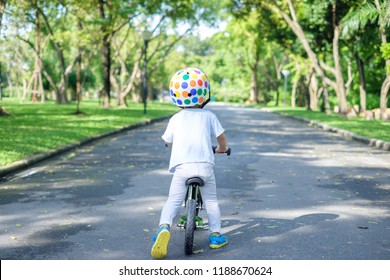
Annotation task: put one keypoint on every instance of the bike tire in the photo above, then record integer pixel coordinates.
(190, 227)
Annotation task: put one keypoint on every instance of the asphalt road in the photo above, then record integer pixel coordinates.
(288, 191)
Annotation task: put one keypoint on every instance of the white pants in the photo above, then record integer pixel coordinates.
(178, 191)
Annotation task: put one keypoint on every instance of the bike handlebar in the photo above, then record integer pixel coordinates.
(228, 152)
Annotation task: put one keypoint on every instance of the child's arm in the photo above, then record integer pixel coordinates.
(222, 146)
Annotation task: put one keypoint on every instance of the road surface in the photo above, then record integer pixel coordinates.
(288, 191)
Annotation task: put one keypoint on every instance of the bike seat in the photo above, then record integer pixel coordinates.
(195, 180)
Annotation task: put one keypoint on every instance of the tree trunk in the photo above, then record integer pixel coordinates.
(313, 87)
(121, 87)
(130, 85)
(314, 92)
(254, 93)
(386, 83)
(137, 93)
(293, 92)
(340, 86)
(385, 88)
(383, 99)
(296, 81)
(306, 89)
(106, 59)
(362, 84)
(325, 107)
(37, 68)
(10, 86)
(78, 81)
(2, 8)
(106, 54)
(62, 98)
(276, 89)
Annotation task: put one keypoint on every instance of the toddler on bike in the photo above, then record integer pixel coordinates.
(190, 132)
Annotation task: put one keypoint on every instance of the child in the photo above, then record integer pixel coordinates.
(190, 132)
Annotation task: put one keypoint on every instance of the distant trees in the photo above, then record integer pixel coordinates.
(324, 44)
(96, 42)
(336, 51)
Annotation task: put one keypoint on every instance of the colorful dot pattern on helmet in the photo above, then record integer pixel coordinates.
(189, 87)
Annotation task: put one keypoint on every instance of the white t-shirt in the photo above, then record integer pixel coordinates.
(191, 131)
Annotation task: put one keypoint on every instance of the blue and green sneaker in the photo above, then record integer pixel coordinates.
(217, 241)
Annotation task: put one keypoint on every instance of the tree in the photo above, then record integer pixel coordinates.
(379, 12)
(126, 65)
(61, 34)
(320, 66)
(362, 44)
(127, 58)
(109, 18)
(264, 42)
(43, 14)
(115, 14)
(33, 15)
(106, 17)
(2, 8)
(65, 70)
(254, 43)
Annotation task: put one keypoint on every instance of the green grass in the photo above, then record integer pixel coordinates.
(369, 128)
(34, 128)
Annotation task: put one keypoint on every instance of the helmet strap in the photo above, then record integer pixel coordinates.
(207, 100)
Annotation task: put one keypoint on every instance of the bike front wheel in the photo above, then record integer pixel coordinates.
(190, 226)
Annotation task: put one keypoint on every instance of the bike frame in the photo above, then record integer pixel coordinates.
(193, 203)
(193, 192)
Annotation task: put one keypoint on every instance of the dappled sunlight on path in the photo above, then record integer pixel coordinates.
(288, 191)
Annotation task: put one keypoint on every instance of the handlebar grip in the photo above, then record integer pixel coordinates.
(228, 151)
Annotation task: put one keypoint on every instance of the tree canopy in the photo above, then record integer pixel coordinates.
(336, 52)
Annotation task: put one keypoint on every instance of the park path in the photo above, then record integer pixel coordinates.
(288, 191)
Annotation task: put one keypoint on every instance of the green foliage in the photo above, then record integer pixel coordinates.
(372, 101)
(88, 78)
(359, 16)
(229, 57)
(385, 49)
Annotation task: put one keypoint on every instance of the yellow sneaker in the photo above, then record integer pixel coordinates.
(160, 247)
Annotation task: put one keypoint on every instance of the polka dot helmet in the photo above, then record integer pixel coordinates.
(189, 87)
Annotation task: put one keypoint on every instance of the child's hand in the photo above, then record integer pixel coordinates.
(218, 150)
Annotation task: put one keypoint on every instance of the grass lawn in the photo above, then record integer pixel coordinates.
(33, 128)
(372, 129)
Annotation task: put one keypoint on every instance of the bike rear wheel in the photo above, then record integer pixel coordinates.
(190, 226)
